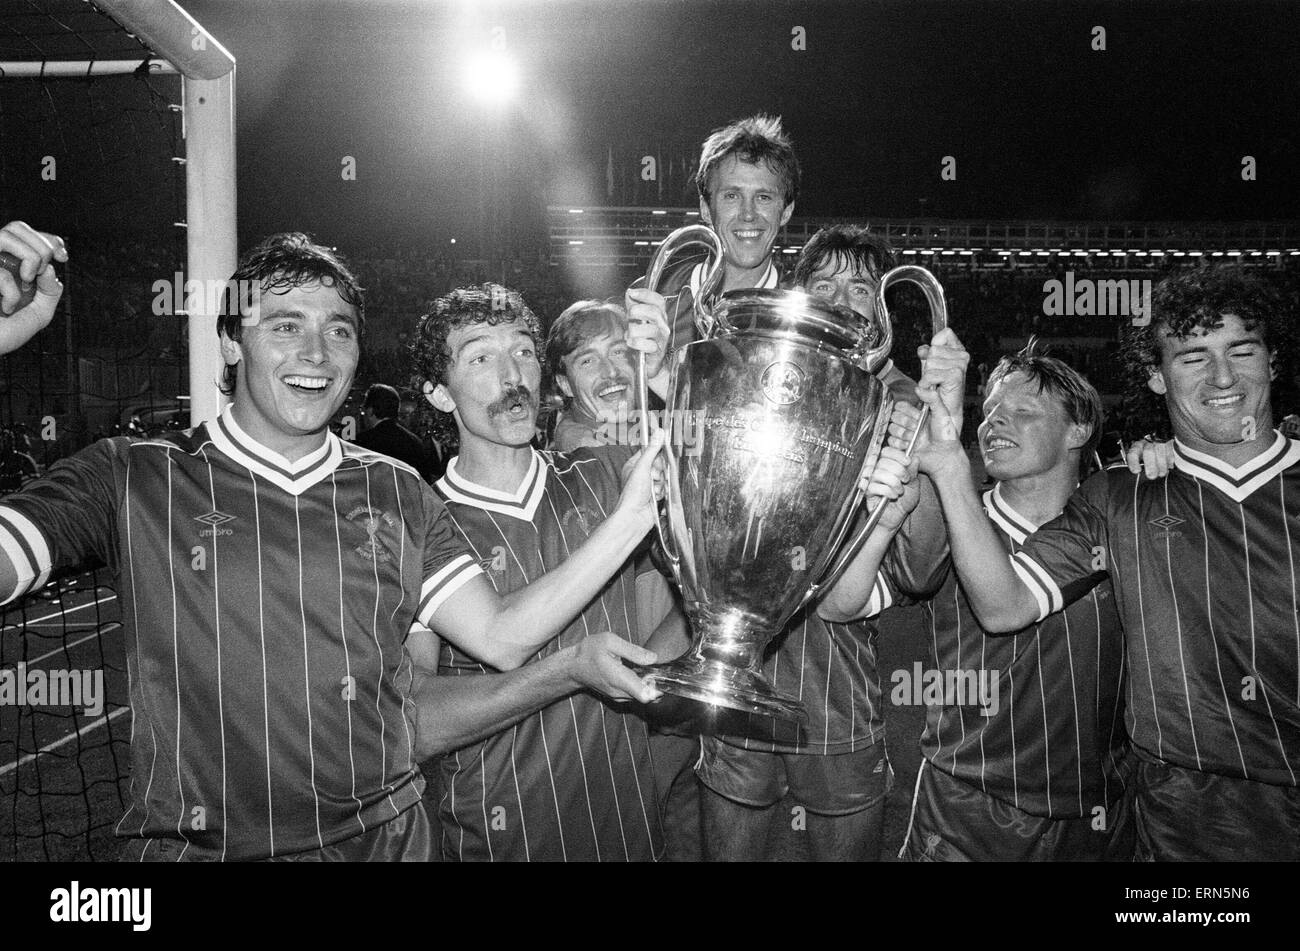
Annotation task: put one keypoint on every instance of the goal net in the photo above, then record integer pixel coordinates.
(116, 132)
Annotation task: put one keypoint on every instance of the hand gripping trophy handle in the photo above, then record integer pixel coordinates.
(934, 296)
(787, 419)
(689, 236)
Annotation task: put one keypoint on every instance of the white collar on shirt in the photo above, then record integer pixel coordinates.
(1007, 518)
(293, 477)
(1237, 483)
(769, 281)
(521, 504)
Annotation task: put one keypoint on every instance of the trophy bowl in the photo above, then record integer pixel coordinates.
(774, 421)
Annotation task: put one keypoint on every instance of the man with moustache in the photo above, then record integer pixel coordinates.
(1203, 568)
(269, 574)
(1024, 758)
(568, 777)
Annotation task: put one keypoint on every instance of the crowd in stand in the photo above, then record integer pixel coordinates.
(993, 309)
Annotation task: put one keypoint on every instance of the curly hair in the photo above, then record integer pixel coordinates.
(1192, 300)
(755, 139)
(282, 262)
(430, 354)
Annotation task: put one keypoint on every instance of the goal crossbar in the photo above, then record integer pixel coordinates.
(182, 45)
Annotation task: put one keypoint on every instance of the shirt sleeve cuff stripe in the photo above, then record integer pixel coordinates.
(432, 583)
(1044, 590)
(19, 558)
(27, 551)
(1055, 599)
(881, 597)
(450, 586)
(29, 537)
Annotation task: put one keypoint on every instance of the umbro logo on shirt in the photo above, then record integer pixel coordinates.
(1166, 523)
(214, 520)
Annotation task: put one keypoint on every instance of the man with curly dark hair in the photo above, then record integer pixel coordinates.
(1204, 567)
(1193, 297)
(545, 774)
(269, 575)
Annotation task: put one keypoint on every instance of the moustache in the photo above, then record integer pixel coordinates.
(514, 394)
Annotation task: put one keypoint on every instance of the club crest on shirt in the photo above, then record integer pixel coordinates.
(373, 521)
(580, 520)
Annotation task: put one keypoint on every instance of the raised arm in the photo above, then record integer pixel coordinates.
(29, 288)
(998, 597)
(892, 483)
(914, 563)
(505, 630)
(29, 293)
(1000, 600)
(59, 520)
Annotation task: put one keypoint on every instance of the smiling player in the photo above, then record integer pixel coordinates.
(1037, 773)
(1203, 566)
(591, 364)
(269, 574)
(568, 776)
(748, 179)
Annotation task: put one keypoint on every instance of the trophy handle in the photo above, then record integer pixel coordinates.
(851, 549)
(933, 295)
(689, 236)
(872, 359)
(662, 516)
(693, 236)
(674, 557)
(880, 430)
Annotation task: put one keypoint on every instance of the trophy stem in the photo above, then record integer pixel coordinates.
(724, 669)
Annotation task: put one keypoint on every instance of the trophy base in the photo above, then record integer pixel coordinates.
(720, 685)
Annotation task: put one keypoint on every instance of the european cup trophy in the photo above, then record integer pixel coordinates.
(775, 417)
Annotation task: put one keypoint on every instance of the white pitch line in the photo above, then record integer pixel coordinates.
(59, 625)
(94, 725)
(71, 644)
(62, 613)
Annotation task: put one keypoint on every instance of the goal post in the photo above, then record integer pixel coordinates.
(83, 88)
(207, 72)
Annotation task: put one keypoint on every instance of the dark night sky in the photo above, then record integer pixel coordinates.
(1042, 126)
